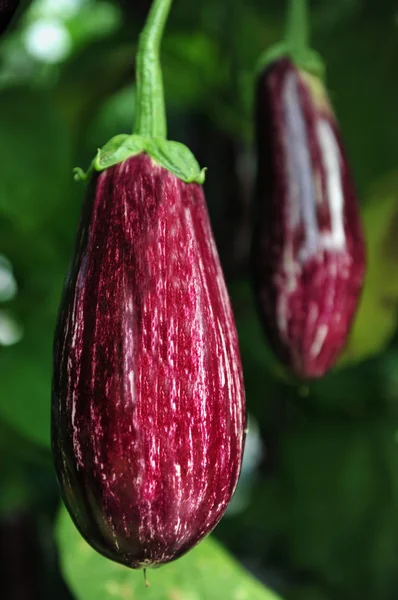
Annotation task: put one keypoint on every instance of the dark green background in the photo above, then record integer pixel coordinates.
(316, 512)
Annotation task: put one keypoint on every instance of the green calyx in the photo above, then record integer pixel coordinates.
(173, 156)
(150, 126)
(306, 59)
(295, 44)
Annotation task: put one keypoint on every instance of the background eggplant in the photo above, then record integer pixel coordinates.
(148, 401)
(308, 249)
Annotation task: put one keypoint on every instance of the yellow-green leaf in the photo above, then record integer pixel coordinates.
(208, 572)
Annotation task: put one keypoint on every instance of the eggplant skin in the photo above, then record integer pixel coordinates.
(308, 251)
(7, 10)
(148, 409)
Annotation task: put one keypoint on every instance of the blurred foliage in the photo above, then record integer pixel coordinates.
(316, 516)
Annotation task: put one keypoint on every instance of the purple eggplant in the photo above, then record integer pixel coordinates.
(148, 401)
(308, 248)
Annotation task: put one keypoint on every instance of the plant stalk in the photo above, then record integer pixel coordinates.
(150, 120)
(297, 31)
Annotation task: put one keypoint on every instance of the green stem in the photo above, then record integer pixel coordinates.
(297, 35)
(150, 120)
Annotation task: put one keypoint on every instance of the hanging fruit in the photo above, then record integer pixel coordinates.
(148, 409)
(308, 251)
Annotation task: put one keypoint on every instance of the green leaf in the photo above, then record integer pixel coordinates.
(377, 315)
(205, 573)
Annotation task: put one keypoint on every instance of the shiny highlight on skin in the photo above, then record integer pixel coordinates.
(308, 250)
(148, 409)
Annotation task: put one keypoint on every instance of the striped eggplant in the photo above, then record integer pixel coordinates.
(308, 250)
(148, 402)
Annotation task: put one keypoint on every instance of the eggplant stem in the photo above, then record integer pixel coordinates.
(150, 119)
(297, 30)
